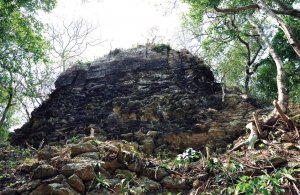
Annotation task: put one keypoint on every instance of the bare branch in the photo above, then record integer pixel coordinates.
(72, 40)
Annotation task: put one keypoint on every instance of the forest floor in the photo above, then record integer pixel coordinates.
(92, 166)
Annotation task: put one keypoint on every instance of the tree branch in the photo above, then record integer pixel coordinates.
(257, 52)
(236, 10)
(292, 12)
(285, 10)
(283, 5)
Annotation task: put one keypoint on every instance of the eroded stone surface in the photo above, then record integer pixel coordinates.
(158, 101)
(175, 183)
(148, 185)
(82, 148)
(91, 155)
(75, 182)
(84, 170)
(47, 152)
(55, 188)
(44, 171)
(155, 173)
(128, 92)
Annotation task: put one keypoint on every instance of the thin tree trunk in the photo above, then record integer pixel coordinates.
(284, 27)
(280, 79)
(250, 58)
(10, 98)
(6, 109)
(247, 79)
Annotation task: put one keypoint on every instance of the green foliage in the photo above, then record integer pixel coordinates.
(232, 177)
(225, 174)
(198, 8)
(188, 156)
(222, 48)
(101, 182)
(161, 48)
(125, 185)
(265, 184)
(265, 85)
(220, 39)
(22, 46)
(214, 164)
(74, 140)
(3, 135)
(82, 64)
(165, 166)
(262, 146)
(17, 156)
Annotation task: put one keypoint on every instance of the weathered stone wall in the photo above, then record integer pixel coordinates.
(129, 91)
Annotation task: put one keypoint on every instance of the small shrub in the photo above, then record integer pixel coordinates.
(101, 182)
(161, 47)
(114, 52)
(263, 184)
(79, 64)
(125, 185)
(3, 136)
(29, 161)
(74, 140)
(188, 156)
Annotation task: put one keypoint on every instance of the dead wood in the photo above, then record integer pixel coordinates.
(251, 139)
(256, 129)
(291, 125)
(255, 118)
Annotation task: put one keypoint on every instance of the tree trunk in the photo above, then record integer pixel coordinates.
(280, 80)
(9, 101)
(6, 109)
(284, 27)
(247, 80)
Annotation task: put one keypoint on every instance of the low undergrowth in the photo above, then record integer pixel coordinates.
(10, 158)
(267, 169)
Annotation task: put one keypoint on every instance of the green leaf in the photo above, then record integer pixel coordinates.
(289, 176)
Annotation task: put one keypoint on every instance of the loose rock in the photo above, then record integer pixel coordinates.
(148, 185)
(47, 153)
(148, 146)
(84, 170)
(82, 148)
(55, 188)
(155, 173)
(123, 174)
(174, 183)
(75, 182)
(44, 171)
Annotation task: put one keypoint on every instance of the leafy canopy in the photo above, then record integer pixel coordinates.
(266, 76)
(21, 46)
(222, 49)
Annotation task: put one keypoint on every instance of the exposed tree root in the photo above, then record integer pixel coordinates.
(255, 117)
(256, 130)
(251, 139)
(291, 125)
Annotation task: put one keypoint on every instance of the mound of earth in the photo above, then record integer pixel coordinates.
(136, 91)
(120, 125)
